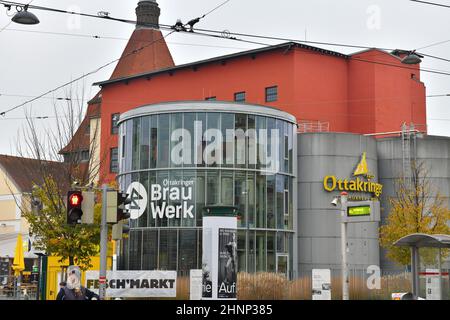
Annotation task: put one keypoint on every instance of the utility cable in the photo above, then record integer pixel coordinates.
(84, 75)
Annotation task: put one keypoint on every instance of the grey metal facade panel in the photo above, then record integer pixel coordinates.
(343, 144)
(336, 154)
(315, 168)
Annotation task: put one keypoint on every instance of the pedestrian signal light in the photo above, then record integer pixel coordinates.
(74, 211)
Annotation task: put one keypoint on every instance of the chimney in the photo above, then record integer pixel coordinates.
(147, 13)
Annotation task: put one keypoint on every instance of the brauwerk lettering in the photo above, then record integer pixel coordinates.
(133, 283)
(331, 183)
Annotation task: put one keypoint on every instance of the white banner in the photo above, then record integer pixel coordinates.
(134, 284)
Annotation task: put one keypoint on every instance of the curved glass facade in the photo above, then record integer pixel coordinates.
(187, 159)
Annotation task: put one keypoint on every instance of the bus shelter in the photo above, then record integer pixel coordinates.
(421, 240)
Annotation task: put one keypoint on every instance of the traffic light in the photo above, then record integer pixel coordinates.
(115, 203)
(120, 229)
(122, 201)
(74, 210)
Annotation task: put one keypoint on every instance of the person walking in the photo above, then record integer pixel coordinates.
(73, 290)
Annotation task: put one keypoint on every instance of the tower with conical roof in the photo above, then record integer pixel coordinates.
(148, 43)
(146, 51)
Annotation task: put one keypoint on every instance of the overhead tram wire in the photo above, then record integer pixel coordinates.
(3, 113)
(172, 31)
(170, 28)
(431, 3)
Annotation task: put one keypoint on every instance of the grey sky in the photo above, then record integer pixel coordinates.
(32, 63)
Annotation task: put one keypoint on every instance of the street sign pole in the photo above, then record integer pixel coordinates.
(103, 244)
(344, 247)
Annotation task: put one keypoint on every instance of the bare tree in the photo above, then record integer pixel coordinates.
(55, 158)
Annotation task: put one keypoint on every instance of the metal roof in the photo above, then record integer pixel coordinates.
(286, 45)
(206, 106)
(424, 240)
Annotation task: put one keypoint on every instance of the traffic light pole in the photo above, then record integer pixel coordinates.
(103, 244)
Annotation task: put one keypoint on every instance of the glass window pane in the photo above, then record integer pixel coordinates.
(135, 249)
(251, 252)
(240, 197)
(189, 121)
(143, 179)
(260, 251)
(187, 250)
(114, 160)
(227, 120)
(272, 94)
(251, 199)
(189, 175)
(280, 129)
(241, 248)
(150, 250)
(251, 142)
(154, 140)
(200, 196)
(114, 119)
(199, 150)
(175, 175)
(176, 122)
(227, 188)
(163, 140)
(239, 97)
(136, 138)
(261, 136)
(213, 120)
(260, 201)
(280, 201)
(271, 201)
(240, 125)
(212, 187)
(271, 255)
(150, 219)
(145, 143)
(271, 157)
(160, 177)
(168, 249)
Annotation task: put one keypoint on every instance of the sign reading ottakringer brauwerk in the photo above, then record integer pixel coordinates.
(361, 184)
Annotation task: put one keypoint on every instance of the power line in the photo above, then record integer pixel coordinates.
(431, 3)
(119, 38)
(171, 28)
(84, 76)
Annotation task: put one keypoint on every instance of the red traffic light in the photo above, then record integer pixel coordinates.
(75, 199)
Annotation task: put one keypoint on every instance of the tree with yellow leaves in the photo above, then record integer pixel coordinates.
(416, 208)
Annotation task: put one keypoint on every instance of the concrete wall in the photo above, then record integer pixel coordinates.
(432, 151)
(319, 155)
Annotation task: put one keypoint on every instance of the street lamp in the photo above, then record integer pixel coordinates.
(23, 16)
(412, 58)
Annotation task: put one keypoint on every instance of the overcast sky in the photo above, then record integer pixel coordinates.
(32, 63)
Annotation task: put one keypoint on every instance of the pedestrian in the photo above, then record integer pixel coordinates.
(73, 290)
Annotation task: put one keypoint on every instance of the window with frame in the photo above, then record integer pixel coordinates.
(114, 123)
(272, 94)
(239, 96)
(114, 160)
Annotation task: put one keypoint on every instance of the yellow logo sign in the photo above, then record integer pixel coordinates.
(331, 183)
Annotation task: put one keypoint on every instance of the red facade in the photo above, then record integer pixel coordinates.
(368, 92)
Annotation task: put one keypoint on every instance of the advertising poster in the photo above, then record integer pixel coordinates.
(207, 263)
(227, 264)
(321, 284)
